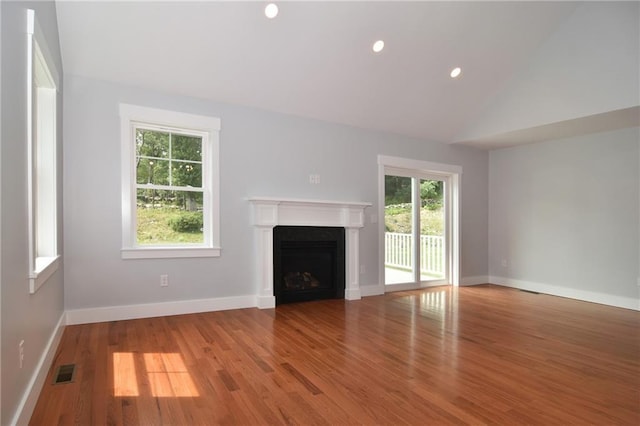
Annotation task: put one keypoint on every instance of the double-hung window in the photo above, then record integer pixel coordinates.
(170, 202)
(42, 175)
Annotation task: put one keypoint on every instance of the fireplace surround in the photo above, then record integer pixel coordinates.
(269, 212)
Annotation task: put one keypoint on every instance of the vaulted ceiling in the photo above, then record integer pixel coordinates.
(315, 60)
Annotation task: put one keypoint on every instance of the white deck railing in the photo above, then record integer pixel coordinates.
(398, 253)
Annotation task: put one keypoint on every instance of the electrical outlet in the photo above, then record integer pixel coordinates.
(164, 280)
(362, 269)
(314, 179)
(504, 263)
(21, 352)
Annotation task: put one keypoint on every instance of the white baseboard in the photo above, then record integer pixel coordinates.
(30, 397)
(352, 294)
(479, 279)
(266, 302)
(371, 290)
(571, 293)
(148, 310)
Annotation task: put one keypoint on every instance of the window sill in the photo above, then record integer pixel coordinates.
(169, 252)
(45, 267)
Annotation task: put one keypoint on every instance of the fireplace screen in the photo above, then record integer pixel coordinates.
(308, 263)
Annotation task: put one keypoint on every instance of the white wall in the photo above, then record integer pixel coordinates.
(589, 66)
(564, 215)
(32, 318)
(262, 154)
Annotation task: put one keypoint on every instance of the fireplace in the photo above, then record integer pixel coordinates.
(269, 213)
(308, 263)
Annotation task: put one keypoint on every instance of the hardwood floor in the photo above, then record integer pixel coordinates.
(474, 355)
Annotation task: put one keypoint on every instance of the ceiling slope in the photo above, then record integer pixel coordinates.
(585, 78)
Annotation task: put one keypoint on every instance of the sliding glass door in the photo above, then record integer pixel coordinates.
(398, 222)
(432, 246)
(415, 220)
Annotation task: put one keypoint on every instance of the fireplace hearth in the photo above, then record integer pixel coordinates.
(308, 263)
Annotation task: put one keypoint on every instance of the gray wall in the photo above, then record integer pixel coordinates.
(262, 154)
(24, 316)
(564, 216)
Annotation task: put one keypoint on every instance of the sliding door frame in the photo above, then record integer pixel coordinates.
(451, 175)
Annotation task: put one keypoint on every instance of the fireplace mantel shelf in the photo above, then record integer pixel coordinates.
(269, 212)
(297, 201)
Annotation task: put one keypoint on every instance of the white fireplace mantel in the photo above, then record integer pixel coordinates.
(270, 212)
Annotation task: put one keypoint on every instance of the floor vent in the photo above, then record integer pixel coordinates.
(65, 374)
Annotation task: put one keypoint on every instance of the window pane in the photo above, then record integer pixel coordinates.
(44, 179)
(398, 237)
(185, 147)
(152, 171)
(169, 217)
(186, 174)
(432, 242)
(151, 143)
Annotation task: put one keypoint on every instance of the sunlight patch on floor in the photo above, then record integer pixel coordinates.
(124, 375)
(165, 373)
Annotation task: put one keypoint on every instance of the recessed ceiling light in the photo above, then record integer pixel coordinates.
(271, 11)
(455, 72)
(378, 46)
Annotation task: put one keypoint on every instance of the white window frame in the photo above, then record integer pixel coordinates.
(452, 175)
(42, 174)
(175, 122)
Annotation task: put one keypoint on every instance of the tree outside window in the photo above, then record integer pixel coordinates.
(169, 192)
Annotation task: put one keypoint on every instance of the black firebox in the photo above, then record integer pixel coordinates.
(308, 263)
